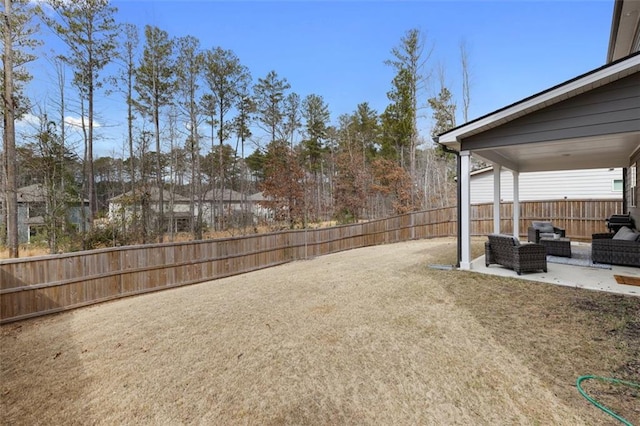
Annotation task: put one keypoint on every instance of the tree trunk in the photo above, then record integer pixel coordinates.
(11, 194)
(93, 208)
(132, 166)
(63, 135)
(161, 228)
(220, 170)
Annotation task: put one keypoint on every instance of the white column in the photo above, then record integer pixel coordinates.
(465, 209)
(516, 204)
(497, 169)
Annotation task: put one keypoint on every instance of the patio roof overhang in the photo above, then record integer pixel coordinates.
(591, 121)
(563, 128)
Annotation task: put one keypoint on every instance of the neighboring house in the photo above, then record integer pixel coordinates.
(176, 207)
(590, 122)
(121, 207)
(594, 184)
(233, 204)
(33, 212)
(261, 213)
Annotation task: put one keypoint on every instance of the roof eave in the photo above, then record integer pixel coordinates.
(592, 79)
(615, 25)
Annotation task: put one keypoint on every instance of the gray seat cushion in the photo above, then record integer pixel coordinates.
(543, 227)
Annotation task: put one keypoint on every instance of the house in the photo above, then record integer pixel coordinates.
(594, 184)
(177, 208)
(236, 206)
(34, 211)
(591, 121)
(229, 200)
(261, 213)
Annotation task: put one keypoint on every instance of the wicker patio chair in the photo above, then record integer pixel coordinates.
(507, 251)
(540, 229)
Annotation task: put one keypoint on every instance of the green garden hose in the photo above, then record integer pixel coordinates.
(596, 403)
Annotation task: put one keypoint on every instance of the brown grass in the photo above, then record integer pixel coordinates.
(25, 251)
(370, 336)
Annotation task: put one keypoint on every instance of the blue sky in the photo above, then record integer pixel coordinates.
(337, 49)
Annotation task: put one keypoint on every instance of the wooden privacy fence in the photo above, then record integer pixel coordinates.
(580, 218)
(37, 286)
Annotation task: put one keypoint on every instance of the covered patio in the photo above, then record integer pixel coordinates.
(591, 121)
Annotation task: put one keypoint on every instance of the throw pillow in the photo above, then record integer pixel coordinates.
(625, 234)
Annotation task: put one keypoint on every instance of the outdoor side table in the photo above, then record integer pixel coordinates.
(557, 246)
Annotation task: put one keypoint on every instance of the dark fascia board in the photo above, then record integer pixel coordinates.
(539, 94)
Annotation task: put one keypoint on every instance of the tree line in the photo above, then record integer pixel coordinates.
(193, 115)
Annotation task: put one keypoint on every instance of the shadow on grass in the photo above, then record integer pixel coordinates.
(42, 377)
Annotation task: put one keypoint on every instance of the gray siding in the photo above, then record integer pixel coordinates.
(609, 109)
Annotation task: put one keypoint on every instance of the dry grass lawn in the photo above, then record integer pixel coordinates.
(369, 336)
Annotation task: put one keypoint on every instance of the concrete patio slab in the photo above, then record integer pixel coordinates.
(569, 275)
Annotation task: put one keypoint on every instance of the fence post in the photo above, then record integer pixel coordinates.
(413, 225)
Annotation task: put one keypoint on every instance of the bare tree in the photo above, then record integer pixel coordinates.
(191, 61)
(16, 31)
(124, 84)
(466, 93)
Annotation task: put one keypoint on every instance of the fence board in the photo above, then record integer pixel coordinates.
(41, 285)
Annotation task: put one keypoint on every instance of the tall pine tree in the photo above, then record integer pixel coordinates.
(17, 41)
(225, 77)
(189, 74)
(409, 59)
(89, 29)
(269, 96)
(156, 84)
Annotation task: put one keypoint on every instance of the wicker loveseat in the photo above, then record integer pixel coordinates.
(507, 251)
(621, 248)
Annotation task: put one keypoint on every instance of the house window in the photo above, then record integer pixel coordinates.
(632, 183)
(37, 210)
(617, 185)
